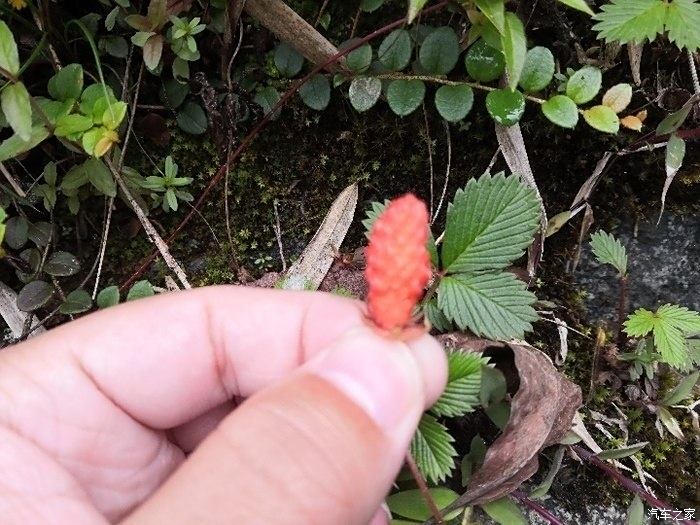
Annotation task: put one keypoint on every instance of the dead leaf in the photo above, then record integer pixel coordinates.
(557, 222)
(319, 254)
(632, 122)
(634, 52)
(541, 411)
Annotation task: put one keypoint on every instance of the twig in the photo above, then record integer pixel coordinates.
(622, 311)
(429, 141)
(103, 245)
(423, 487)
(355, 21)
(448, 138)
(320, 12)
(539, 509)
(248, 140)
(623, 480)
(278, 235)
(150, 230)
(13, 182)
(693, 71)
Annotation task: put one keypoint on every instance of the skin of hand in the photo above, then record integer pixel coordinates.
(219, 405)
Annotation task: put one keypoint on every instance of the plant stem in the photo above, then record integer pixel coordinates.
(539, 509)
(625, 481)
(423, 487)
(622, 311)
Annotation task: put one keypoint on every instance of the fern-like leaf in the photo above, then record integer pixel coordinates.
(461, 394)
(376, 209)
(609, 250)
(683, 24)
(489, 224)
(432, 449)
(497, 306)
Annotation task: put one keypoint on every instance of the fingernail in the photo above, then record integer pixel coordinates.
(379, 375)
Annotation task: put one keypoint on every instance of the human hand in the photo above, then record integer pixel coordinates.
(127, 414)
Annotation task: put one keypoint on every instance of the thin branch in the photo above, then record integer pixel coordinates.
(448, 138)
(13, 182)
(320, 12)
(539, 509)
(423, 487)
(693, 71)
(278, 235)
(429, 141)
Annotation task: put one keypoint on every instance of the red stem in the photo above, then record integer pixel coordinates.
(423, 487)
(539, 509)
(145, 263)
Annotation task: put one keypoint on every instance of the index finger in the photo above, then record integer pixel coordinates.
(168, 359)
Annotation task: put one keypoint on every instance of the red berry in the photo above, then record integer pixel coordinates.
(398, 263)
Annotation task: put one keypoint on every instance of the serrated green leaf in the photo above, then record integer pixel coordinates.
(496, 306)
(411, 503)
(580, 5)
(631, 20)
(17, 109)
(514, 48)
(602, 118)
(489, 224)
(405, 96)
(435, 316)
(440, 51)
(505, 512)
(395, 50)
(484, 63)
(609, 250)
(683, 24)
(622, 452)
(562, 111)
(461, 395)
(288, 60)
(432, 449)
(454, 102)
(494, 10)
(376, 209)
(506, 107)
(682, 318)
(538, 69)
(584, 84)
(316, 93)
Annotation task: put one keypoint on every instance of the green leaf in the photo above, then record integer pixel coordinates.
(670, 422)
(316, 93)
(562, 111)
(139, 290)
(609, 250)
(34, 295)
(192, 119)
(67, 83)
(538, 69)
(432, 449)
(288, 60)
(73, 123)
(152, 51)
(108, 297)
(514, 48)
(411, 503)
(358, 60)
(505, 512)
(17, 109)
(376, 209)
(506, 107)
(461, 395)
(75, 178)
(371, 5)
(173, 93)
(635, 512)
(414, 7)
(622, 452)
(631, 20)
(92, 94)
(405, 96)
(682, 23)
(543, 488)
(602, 118)
(364, 92)
(266, 98)
(14, 145)
(675, 120)
(78, 301)
(62, 264)
(494, 10)
(395, 50)
(16, 232)
(489, 224)
(454, 102)
(581, 5)
(141, 37)
(440, 51)
(9, 58)
(435, 316)
(100, 177)
(584, 85)
(484, 63)
(682, 391)
(496, 306)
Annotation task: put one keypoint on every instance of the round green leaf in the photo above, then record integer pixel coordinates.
(40, 233)
(440, 51)
(288, 60)
(358, 60)
(191, 119)
(484, 63)
(584, 85)
(395, 50)
(139, 290)
(78, 301)
(173, 93)
(405, 96)
(266, 98)
(371, 5)
(316, 93)
(108, 297)
(67, 83)
(62, 264)
(538, 69)
(34, 295)
(561, 110)
(116, 46)
(16, 230)
(364, 92)
(506, 107)
(603, 119)
(411, 503)
(454, 102)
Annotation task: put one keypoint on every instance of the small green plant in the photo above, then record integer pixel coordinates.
(609, 250)
(165, 189)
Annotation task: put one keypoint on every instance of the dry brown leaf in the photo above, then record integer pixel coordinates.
(632, 122)
(634, 52)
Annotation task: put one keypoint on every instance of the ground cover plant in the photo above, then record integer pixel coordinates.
(149, 146)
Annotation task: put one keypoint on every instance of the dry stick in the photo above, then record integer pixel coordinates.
(539, 509)
(278, 234)
(13, 182)
(247, 141)
(320, 12)
(693, 71)
(430, 161)
(423, 487)
(447, 170)
(622, 311)
(623, 480)
(150, 230)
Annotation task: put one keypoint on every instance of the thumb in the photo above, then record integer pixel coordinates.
(321, 447)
